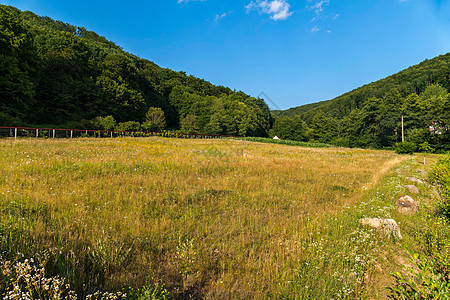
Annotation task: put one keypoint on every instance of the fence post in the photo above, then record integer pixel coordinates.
(71, 134)
(111, 134)
(37, 133)
(54, 133)
(15, 133)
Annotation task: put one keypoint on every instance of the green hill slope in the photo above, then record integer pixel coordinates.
(370, 116)
(412, 80)
(56, 73)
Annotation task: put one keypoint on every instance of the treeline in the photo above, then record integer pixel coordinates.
(378, 122)
(53, 73)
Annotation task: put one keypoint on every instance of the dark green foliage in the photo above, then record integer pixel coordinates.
(290, 128)
(128, 126)
(189, 124)
(299, 110)
(323, 129)
(106, 123)
(405, 148)
(55, 73)
(17, 61)
(378, 123)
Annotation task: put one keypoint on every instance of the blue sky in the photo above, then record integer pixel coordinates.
(295, 52)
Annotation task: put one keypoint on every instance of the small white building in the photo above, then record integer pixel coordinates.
(276, 138)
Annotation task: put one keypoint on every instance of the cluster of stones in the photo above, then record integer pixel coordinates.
(404, 205)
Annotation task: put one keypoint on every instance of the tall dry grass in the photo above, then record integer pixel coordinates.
(209, 219)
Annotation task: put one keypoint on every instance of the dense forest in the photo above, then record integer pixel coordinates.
(370, 116)
(53, 73)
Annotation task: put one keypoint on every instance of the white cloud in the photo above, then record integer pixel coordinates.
(318, 5)
(218, 17)
(278, 9)
(186, 1)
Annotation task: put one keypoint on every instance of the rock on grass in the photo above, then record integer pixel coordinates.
(412, 189)
(407, 205)
(387, 227)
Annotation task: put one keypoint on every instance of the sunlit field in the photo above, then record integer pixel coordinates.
(212, 219)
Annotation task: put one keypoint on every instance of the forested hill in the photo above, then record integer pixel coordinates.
(370, 116)
(59, 74)
(412, 80)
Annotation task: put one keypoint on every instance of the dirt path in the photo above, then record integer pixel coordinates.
(387, 166)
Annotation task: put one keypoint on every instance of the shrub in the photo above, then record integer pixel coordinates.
(128, 126)
(151, 291)
(341, 142)
(440, 175)
(104, 123)
(405, 148)
(427, 282)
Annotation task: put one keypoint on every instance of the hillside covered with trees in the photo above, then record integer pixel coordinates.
(53, 73)
(370, 116)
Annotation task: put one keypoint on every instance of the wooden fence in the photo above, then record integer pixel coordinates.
(16, 132)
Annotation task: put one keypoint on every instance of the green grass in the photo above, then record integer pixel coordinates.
(285, 142)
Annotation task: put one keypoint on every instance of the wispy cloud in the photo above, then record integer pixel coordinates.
(278, 9)
(219, 17)
(186, 1)
(318, 6)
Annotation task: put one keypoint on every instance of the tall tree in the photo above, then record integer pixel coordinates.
(155, 119)
(189, 124)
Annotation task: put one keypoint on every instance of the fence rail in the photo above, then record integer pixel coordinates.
(16, 132)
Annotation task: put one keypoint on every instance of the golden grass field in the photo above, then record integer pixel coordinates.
(214, 219)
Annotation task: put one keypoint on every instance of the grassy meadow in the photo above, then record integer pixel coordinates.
(213, 219)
